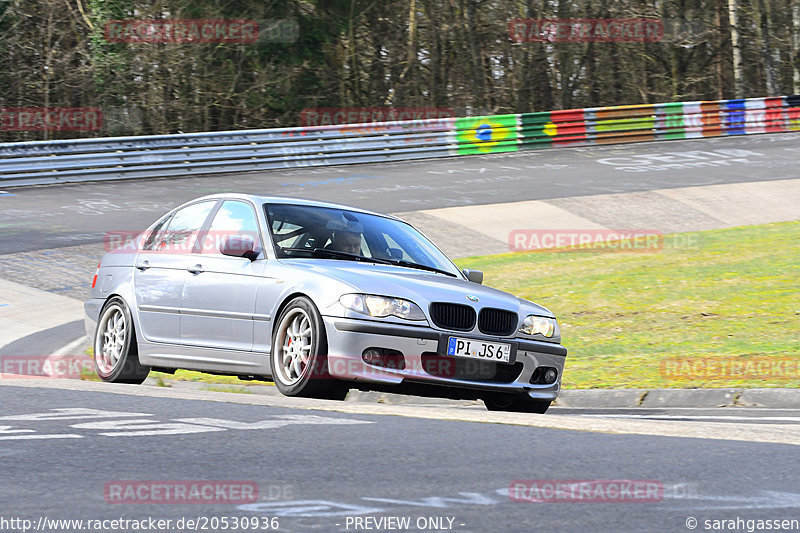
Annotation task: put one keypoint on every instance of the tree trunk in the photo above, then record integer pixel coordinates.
(764, 37)
(477, 80)
(718, 56)
(539, 73)
(737, 52)
(411, 49)
(796, 46)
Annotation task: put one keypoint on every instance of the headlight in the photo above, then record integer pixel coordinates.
(382, 306)
(539, 325)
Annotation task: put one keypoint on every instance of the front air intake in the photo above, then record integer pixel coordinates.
(446, 366)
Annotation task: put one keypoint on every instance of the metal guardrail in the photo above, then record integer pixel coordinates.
(47, 162)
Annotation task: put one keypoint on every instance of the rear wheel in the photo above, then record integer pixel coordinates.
(299, 354)
(513, 403)
(116, 353)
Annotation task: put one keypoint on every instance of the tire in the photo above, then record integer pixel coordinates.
(116, 352)
(298, 358)
(513, 403)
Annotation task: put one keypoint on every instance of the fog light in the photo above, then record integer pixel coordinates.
(371, 356)
(384, 357)
(544, 375)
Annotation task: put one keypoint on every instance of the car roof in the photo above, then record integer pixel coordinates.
(259, 199)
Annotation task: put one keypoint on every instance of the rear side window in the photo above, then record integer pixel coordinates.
(155, 233)
(181, 232)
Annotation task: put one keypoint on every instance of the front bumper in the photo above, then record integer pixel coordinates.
(422, 347)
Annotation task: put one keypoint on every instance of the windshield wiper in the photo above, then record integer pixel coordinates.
(409, 264)
(338, 253)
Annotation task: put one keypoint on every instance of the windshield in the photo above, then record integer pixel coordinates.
(300, 230)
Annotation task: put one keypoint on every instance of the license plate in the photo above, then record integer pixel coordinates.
(475, 349)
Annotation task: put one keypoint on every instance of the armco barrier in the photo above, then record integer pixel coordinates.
(45, 162)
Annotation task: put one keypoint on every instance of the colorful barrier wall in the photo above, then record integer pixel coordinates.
(43, 162)
(679, 120)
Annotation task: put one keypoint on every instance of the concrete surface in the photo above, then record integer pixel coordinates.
(26, 310)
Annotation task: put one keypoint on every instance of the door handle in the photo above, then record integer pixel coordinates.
(197, 269)
(143, 265)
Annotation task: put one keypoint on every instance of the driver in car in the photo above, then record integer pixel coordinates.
(346, 241)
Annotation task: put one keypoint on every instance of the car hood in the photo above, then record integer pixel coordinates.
(419, 286)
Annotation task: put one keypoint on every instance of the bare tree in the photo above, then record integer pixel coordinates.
(795, 55)
(737, 52)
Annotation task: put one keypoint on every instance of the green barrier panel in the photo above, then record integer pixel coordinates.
(487, 135)
(537, 130)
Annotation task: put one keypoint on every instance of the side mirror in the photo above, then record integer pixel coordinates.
(239, 247)
(475, 276)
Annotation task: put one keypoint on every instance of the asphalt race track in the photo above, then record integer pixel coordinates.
(64, 215)
(62, 448)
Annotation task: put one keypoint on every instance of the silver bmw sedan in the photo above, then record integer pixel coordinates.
(319, 298)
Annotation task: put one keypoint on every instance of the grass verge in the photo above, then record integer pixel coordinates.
(718, 313)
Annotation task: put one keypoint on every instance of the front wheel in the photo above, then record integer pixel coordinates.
(116, 353)
(513, 403)
(299, 354)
